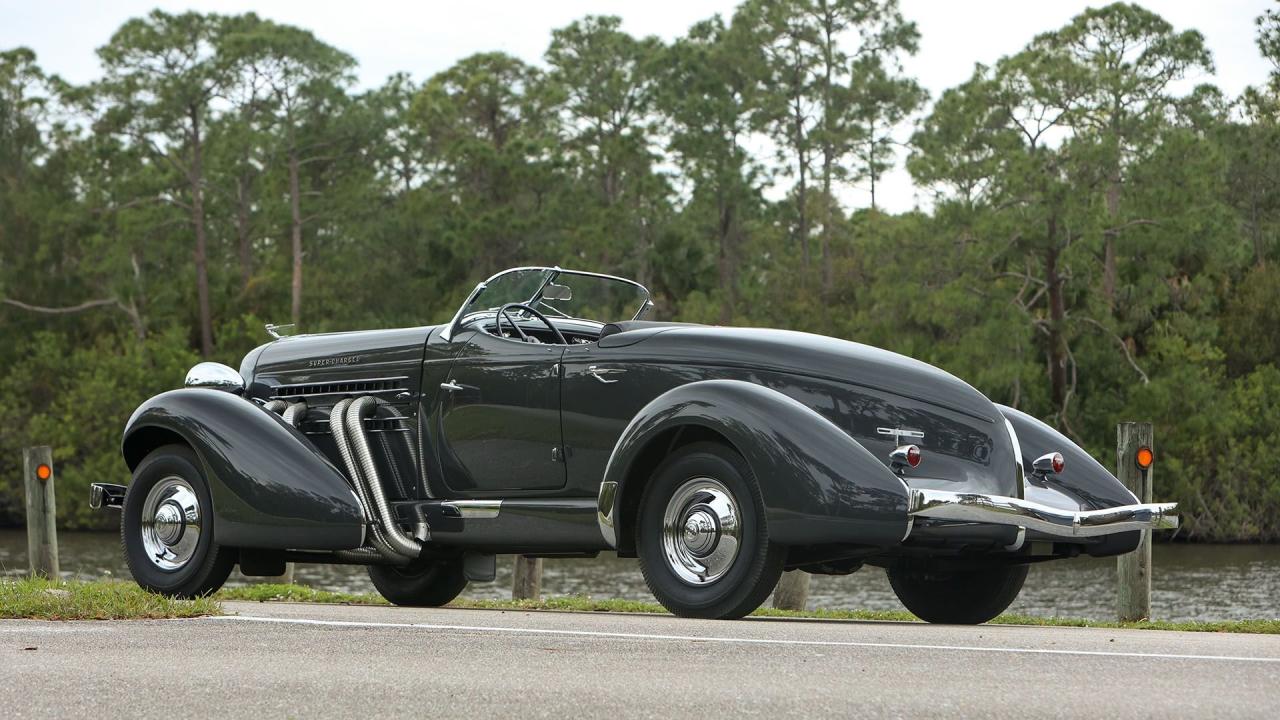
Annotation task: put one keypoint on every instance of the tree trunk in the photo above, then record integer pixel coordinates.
(295, 213)
(196, 178)
(828, 145)
(1109, 241)
(242, 232)
(1057, 350)
(726, 263)
(802, 189)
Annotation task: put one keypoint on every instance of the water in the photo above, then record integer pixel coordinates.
(1191, 582)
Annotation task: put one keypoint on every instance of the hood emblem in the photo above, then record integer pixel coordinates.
(898, 433)
(332, 361)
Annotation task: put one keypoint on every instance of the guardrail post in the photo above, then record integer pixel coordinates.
(1133, 589)
(526, 580)
(793, 590)
(42, 528)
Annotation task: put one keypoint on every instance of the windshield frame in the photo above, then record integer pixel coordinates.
(552, 273)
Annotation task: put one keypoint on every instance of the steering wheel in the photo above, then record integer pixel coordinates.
(502, 313)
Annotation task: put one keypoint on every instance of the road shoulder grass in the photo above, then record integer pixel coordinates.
(38, 599)
(299, 593)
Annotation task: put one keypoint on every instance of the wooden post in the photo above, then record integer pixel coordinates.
(1133, 591)
(526, 580)
(793, 590)
(42, 528)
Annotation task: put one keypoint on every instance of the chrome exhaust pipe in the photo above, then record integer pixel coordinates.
(355, 415)
(338, 427)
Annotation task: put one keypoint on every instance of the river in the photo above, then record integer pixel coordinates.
(1190, 582)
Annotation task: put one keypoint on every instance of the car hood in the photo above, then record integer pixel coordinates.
(369, 352)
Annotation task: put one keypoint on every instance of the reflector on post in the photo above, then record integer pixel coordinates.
(43, 472)
(1144, 457)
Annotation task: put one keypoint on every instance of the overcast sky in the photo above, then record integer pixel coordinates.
(425, 37)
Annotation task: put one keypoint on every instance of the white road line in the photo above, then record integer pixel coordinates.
(742, 640)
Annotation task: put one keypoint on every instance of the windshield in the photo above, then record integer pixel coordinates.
(563, 293)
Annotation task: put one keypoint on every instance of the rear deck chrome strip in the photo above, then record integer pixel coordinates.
(1000, 510)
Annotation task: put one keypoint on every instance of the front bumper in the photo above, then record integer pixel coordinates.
(1000, 510)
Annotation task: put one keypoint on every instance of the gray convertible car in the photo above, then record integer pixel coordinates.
(549, 418)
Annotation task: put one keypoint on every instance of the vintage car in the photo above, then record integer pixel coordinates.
(548, 419)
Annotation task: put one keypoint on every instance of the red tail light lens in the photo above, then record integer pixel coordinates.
(1058, 463)
(913, 455)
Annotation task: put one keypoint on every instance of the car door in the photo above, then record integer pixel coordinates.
(499, 417)
(602, 390)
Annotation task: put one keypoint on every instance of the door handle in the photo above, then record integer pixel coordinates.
(599, 373)
(451, 386)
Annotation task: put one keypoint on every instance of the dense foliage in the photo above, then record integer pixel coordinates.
(1101, 243)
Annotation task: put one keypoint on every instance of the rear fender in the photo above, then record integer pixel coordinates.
(819, 485)
(1087, 484)
(271, 488)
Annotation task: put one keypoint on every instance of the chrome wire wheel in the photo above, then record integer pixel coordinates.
(701, 531)
(170, 524)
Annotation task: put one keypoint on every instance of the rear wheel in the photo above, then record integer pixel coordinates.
(936, 594)
(166, 527)
(702, 537)
(422, 584)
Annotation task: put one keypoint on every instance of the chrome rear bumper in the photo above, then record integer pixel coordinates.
(999, 510)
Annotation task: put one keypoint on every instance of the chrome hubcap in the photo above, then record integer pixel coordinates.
(170, 524)
(701, 531)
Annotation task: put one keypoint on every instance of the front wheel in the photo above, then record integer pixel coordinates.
(422, 584)
(936, 594)
(702, 537)
(166, 527)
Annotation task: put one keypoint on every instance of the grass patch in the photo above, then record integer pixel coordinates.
(278, 592)
(576, 603)
(38, 599)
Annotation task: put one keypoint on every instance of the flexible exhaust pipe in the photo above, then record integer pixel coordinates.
(355, 415)
(338, 427)
(294, 414)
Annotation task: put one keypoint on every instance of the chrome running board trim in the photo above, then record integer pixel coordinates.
(1000, 510)
(471, 508)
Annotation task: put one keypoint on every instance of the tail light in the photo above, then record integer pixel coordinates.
(1049, 463)
(905, 455)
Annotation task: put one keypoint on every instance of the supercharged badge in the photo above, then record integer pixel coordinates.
(329, 362)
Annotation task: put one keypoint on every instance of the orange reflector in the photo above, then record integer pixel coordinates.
(43, 471)
(1144, 457)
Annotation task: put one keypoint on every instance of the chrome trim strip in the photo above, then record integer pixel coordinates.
(604, 512)
(1000, 510)
(474, 509)
(342, 381)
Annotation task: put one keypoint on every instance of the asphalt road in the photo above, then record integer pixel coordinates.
(275, 660)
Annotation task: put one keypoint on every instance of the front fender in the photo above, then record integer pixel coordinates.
(819, 485)
(271, 488)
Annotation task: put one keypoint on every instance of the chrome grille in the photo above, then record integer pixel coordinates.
(372, 386)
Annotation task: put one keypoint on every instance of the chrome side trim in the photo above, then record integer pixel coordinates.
(469, 509)
(604, 512)
(1000, 510)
